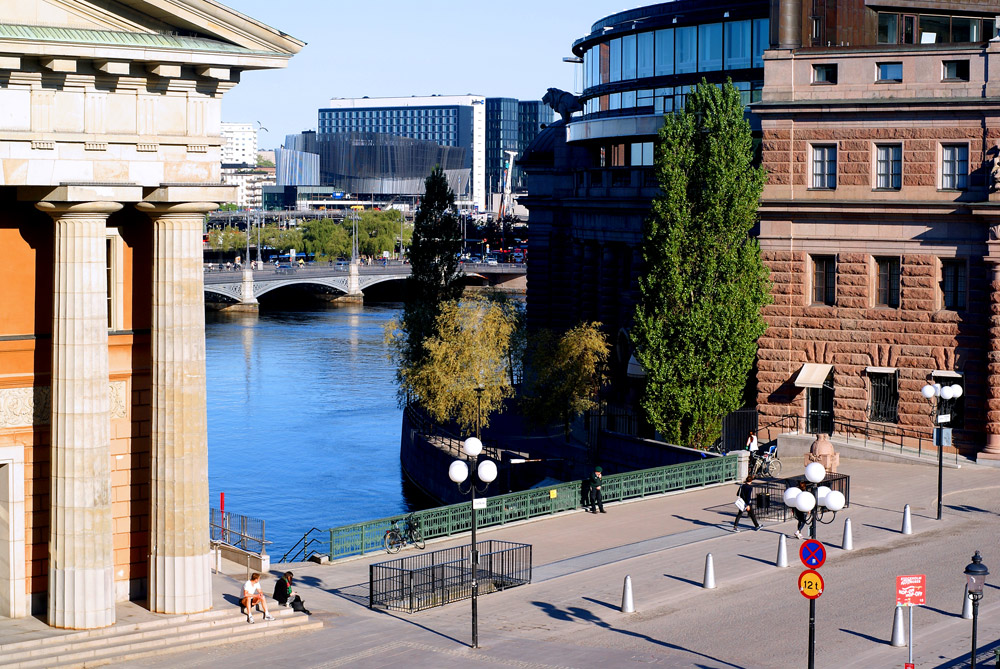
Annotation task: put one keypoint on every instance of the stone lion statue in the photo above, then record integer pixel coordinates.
(562, 103)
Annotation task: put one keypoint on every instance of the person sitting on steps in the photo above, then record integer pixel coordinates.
(284, 595)
(252, 596)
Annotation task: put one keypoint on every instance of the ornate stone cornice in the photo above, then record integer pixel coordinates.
(27, 407)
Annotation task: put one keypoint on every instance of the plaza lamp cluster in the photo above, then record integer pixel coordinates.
(935, 392)
(817, 500)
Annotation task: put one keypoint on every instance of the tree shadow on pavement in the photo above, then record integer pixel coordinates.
(575, 613)
(865, 636)
(684, 580)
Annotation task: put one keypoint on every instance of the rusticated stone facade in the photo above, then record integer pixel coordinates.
(936, 326)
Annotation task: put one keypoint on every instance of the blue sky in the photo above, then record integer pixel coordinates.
(380, 48)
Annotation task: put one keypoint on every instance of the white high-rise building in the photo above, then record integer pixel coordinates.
(241, 144)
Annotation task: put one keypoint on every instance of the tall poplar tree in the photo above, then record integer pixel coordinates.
(704, 283)
(434, 278)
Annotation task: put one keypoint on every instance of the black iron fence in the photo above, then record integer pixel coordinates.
(243, 532)
(768, 496)
(434, 579)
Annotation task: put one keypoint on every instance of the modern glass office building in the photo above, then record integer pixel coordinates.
(501, 136)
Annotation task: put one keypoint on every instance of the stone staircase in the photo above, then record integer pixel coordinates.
(136, 640)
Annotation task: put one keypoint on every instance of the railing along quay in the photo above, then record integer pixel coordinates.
(363, 538)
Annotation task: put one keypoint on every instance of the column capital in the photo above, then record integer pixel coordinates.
(92, 209)
(180, 209)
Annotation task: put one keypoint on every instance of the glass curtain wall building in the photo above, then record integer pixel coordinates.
(501, 136)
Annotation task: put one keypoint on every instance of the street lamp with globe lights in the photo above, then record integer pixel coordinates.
(976, 572)
(935, 392)
(484, 472)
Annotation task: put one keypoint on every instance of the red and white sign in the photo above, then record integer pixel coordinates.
(911, 590)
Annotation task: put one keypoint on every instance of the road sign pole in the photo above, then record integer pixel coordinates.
(812, 634)
(910, 661)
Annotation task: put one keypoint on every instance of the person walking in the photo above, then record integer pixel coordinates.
(596, 499)
(744, 504)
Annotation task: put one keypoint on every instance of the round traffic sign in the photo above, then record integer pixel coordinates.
(813, 554)
(810, 584)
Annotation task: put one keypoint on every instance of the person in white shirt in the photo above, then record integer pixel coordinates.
(752, 447)
(252, 595)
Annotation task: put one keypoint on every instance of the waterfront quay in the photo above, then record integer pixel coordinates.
(569, 615)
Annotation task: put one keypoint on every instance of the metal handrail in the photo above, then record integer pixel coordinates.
(362, 538)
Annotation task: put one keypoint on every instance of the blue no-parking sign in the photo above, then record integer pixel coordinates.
(813, 554)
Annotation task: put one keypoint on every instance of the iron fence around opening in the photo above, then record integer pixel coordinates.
(768, 496)
(436, 578)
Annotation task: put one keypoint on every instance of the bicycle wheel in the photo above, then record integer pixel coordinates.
(774, 468)
(393, 541)
(418, 539)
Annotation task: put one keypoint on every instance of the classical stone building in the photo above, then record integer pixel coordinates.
(878, 223)
(109, 158)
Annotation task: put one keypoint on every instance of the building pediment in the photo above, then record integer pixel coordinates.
(198, 25)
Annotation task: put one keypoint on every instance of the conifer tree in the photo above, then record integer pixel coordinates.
(704, 283)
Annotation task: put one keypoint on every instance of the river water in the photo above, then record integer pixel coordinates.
(303, 423)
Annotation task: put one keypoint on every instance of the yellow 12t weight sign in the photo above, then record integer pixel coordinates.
(810, 584)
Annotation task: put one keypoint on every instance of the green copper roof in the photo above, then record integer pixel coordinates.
(118, 38)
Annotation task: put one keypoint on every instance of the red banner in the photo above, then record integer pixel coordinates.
(911, 590)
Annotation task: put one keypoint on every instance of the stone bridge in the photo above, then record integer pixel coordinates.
(242, 288)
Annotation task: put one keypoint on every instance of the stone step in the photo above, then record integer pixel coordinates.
(177, 633)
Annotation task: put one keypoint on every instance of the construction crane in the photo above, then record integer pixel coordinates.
(506, 201)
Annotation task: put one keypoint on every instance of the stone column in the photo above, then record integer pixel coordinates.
(180, 564)
(992, 451)
(81, 544)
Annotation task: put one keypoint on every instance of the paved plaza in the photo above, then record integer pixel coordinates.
(569, 616)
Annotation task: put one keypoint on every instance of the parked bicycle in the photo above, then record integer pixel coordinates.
(768, 464)
(395, 538)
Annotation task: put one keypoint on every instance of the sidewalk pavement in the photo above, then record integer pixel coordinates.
(569, 616)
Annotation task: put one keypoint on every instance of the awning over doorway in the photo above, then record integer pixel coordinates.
(812, 375)
(881, 370)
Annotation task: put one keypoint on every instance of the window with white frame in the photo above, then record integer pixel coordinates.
(954, 166)
(883, 400)
(889, 166)
(824, 166)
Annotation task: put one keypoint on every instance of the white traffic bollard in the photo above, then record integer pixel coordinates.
(898, 634)
(848, 543)
(967, 605)
(627, 605)
(907, 526)
(709, 581)
(782, 559)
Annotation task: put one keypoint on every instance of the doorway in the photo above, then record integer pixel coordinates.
(819, 408)
(13, 597)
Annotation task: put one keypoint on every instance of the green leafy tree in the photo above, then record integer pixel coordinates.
(378, 232)
(468, 349)
(434, 278)
(227, 239)
(326, 238)
(699, 317)
(281, 239)
(566, 372)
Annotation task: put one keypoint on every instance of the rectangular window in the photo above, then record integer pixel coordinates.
(954, 166)
(889, 166)
(616, 101)
(645, 66)
(615, 71)
(890, 72)
(628, 57)
(825, 73)
(824, 280)
(642, 154)
(934, 29)
(686, 49)
(709, 47)
(953, 281)
(888, 282)
(966, 30)
(605, 63)
(824, 166)
(110, 278)
(955, 70)
(884, 397)
(888, 28)
(739, 52)
(628, 99)
(664, 52)
(761, 41)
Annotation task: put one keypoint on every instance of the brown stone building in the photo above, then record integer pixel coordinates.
(878, 223)
(109, 159)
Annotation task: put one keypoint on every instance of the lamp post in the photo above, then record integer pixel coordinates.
(935, 392)
(814, 501)
(976, 572)
(486, 471)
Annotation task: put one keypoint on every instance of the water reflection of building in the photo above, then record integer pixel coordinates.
(109, 159)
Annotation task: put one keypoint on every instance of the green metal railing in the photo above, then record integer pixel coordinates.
(443, 521)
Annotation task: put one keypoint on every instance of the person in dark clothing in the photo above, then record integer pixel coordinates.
(285, 596)
(596, 499)
(801, 516)
(746, 494)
